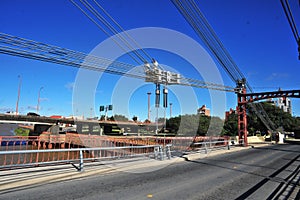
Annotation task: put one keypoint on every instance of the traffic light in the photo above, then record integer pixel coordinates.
(101, 108)
(110, 107)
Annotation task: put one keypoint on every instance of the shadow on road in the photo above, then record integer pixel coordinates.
(284, 183)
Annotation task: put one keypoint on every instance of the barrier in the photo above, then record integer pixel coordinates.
(54, 156)
(71, 147)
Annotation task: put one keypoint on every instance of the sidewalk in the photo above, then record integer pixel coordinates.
(11, 180)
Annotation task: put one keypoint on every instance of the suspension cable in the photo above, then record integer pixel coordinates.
(105, 31)
(289, 16)
(122, 29)
(21, 47)
(193, 15)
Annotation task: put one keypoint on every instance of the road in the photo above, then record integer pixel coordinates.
(270, 172)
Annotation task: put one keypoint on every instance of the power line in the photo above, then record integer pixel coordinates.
(106, 23)
(105, 31)
(25, 48)
(122, 29)
(193, 15)
(287, 10)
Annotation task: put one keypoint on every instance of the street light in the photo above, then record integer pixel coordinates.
(38, 105)
(19, 92)
(149, 94)
(171, 110)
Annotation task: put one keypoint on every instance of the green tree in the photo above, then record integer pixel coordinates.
(280, 119)
(102, 118)
(204, 122)
(173, 124)
(215, 126)
(231, 125)
(120, 118)
(191, 125)
(276, 115)
(21, 131)
(134, 118)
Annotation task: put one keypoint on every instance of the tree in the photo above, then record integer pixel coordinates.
(280, 119)
(193, 125)
(173, 124)
(120, 118)
(276, 115)
(231, 125)
(147, 121)
(102, 118)
(189, 125)
(21, 131)
(135, 118)
(215, 126)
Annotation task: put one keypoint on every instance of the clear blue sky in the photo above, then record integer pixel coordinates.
(256, 34)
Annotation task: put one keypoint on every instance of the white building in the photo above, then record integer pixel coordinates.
(284, 104)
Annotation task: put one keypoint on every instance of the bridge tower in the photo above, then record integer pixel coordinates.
(244, 98)
(242, 111)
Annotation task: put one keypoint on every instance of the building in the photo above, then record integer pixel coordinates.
(227, 113)
(284, 104)
(203, 111)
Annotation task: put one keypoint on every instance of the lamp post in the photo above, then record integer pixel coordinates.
(39, 100)
(149, 93)
(19, 92)
(171, 110)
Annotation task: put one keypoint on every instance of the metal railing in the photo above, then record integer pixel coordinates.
(17, 158)
(19, 151)
(213, 145)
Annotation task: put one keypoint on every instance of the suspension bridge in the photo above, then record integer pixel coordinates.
(152, 71)
(83, 150)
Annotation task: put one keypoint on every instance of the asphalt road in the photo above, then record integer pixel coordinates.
(270, 172)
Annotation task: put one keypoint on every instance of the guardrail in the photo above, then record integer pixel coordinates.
(19, 151)
(210, 145)
(19, 158)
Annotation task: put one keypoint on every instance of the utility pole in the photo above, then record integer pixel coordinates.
(19, 92)
(149, 93)
(157, 101)
(91, 113)
(39, 100)
(171, 110)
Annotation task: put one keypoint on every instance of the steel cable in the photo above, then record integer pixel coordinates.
(21, 47)
(199, 24)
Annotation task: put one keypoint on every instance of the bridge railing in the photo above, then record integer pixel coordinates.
(49, 148)
(20, 158)
(226, 143)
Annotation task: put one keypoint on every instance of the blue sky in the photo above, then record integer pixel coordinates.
(256, 34)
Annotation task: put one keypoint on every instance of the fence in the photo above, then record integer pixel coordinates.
(69, 140)
(213, 145)
(21, 158)
(17, 151)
